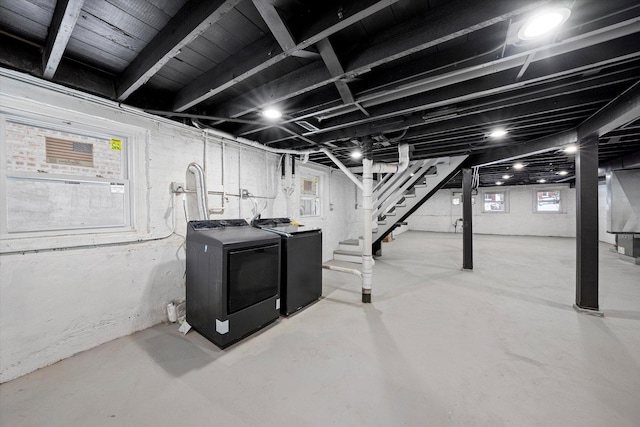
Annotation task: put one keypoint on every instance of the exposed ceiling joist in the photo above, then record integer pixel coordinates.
(422, 33)
(64, 20)
(261, 55)
(537, 146)
(335, 69)
(620, 111)
(488, 86)
(276, 24)
(623, 109)
(279, 29)
(295, 85)
(190, 21)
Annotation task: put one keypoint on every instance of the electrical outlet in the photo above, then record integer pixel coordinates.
(177, 187)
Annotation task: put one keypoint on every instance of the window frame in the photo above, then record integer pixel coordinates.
(316, 199)
(133, 140)
(505, 203)
(561, 205)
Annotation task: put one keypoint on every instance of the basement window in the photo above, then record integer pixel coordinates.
(548, 200)
(63, 178)
(309, 196)
(494, 201)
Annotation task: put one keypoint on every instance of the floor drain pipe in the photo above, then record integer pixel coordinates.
(367, 201)
(343, 270)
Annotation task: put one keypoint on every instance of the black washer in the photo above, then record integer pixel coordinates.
(301, 263)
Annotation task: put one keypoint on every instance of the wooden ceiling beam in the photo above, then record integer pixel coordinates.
(421, 33)
(266, 52)
(335, 68)
(64, 20)
(192, 19)
(624, 109)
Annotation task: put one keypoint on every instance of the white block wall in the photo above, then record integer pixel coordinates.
(603, 236)
(96, 287)
(439, 214)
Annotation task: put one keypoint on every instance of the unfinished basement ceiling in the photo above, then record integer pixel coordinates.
(439, 75)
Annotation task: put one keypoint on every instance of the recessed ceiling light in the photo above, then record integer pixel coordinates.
(356, 154)
(518, 166)
(563, 173)
(571, 149)
(271, 114)
(543, 22)
(506, 176)
(498, 133)
(499, 182)
(542, 181)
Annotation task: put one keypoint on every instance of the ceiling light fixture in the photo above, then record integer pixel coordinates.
(498, 133)
(563, 173)
(499, 182)
(518, 166)
(543, 22)
(542, 181)
(571, 149)
(506, 176)
(271, 113)
(356, 154)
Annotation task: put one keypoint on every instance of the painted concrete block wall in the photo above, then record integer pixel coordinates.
(440, 214)
(603, 236)
(64, 293)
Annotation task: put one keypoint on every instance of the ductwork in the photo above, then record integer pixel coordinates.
(201, 190)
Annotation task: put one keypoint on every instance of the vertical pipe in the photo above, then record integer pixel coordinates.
(587, 224)
(367, 202)
(283, 170)
(467, 225)
(224, 192)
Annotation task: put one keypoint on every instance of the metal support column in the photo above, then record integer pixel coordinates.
(587, 224)
(467, 229)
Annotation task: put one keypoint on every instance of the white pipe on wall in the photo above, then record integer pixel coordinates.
(201, 190)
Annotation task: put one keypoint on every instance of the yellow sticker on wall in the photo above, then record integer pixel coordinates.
(116, 144)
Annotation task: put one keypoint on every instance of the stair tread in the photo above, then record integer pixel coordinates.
(343, 252)
(352, 242)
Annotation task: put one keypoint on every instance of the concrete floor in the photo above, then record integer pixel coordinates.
(499, 346)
